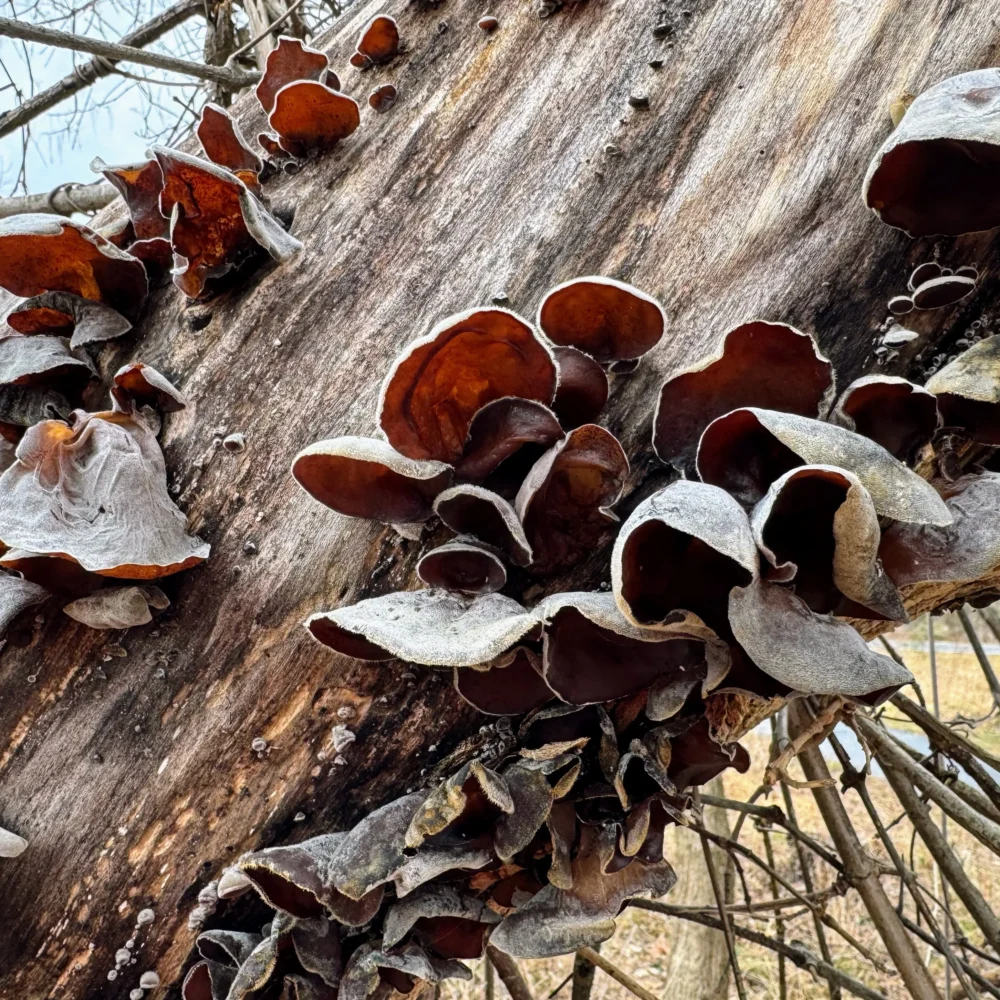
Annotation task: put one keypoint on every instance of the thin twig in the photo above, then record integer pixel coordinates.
(595, 958)
(984, 660)
(510, 973)
(583, 976)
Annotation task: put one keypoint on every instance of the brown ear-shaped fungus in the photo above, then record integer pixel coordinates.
(432, 860)
(583, 388)
(441, 381)
(297, 880)
(463, 567)
(695, 758)
(63, 313)
(506, 438)
(607, 319)
(139, 184)
(511, 687)
(943, 291)
(378, 43)
(896, 414)
(42, 359)
(593, 654)
(15, 596)
(227, 947)
(475, 511)
(317, 947)
(668, 695)
(747, 450)
(684, 548)
(534, 785)
(216, 223)
(369, 967)
(556, 729)
(64, 577)
(223, 143)
(939, 171)
(805, 651)
(432, 628)
(42, 253)
(443, 920)
(309, 115)
(560, 921)
(287, 62)
(966, 550)
(142, 385)
(207, 981)
(770, 365)
(258, 967)
(96, 493)
(968, 391)
(21, 406)
(269, 142)
(642, 769)
(117, 607)
(365, 477)
(383, 98)
(818, 529)
(564, 502)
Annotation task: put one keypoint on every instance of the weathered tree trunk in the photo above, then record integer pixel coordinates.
(511, 162)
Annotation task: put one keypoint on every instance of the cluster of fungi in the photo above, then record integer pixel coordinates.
(802, 518)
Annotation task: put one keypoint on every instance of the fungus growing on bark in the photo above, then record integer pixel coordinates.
(383, 98)
(770, 365)
(583, 388)
(288, 62)
(968, 391)
(311, 116)
(818, 529)
(207, 981)
(43, 360)
(139, 184)
(365, 477)
(11, 845)
(463, 567)
(696, 758)
(511, 686)
(943, 291)
(745, 451)
(368, 967)
(607, 319)
(896, 414)
(96, 492)
(216, 223)
(63, 313)
(432, 628)
(117, 607)
(227, 947)
(378, 43)
(939, 171)
(482, 514)
(139, 384)
(61, 576)
(17, 595)
(441, 381)
(564, 502)
(41, 253)
(223, 143)
(442, 920)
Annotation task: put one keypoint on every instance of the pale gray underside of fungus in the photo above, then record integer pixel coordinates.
(11, 845)
(26, 358)
(94, 321)
(857, 571)
(233, 883)
(117, 607)
(974, 374)
(464, 500)
(361, 976)
(532, 796)
(897, 491)
(435, 901)
(808, 652)
(429, 862)
(97, 493)
(432, 628)
(15, 596)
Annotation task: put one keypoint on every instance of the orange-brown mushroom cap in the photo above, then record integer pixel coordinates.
(607, 319)
(441, 381)
(365, 477)
(382, 98)
(41, 253)
(288, 61)
(378, 43)
(63, 313)
(309, 115)
(583, 388)
(139, 184)
(224, 144)
(939, 171)
(143, 385)
(770, 365)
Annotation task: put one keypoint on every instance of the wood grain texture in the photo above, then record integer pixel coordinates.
(512, 162)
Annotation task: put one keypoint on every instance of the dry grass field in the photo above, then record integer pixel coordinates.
(645, 940)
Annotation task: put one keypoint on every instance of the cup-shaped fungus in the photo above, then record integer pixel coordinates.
(897, 414)
(511, 685)
(223, 143)
(96, 492)
(383, 98)
(583, 388)
(311, 116)
(968, 391)
(463, 567)
(475, 511)
(365, 477)
(43, 360)
(946, 290)
(216, 224)
(442, 920)
(63, 313)
(683, 549)
(939, 171)
(770, 365)
(370, 969)
(138, 384)
(564, 503)
(17, 595)
(607, 319)
(207, 981)
(378, 43)
(696, 757)
(287, 62)
(441, 381)
(40, 253)
(818, 529)
(745, 451)
(117, 607)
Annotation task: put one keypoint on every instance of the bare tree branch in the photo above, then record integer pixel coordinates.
(634, 987)
(510, 973)
(63, 200)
